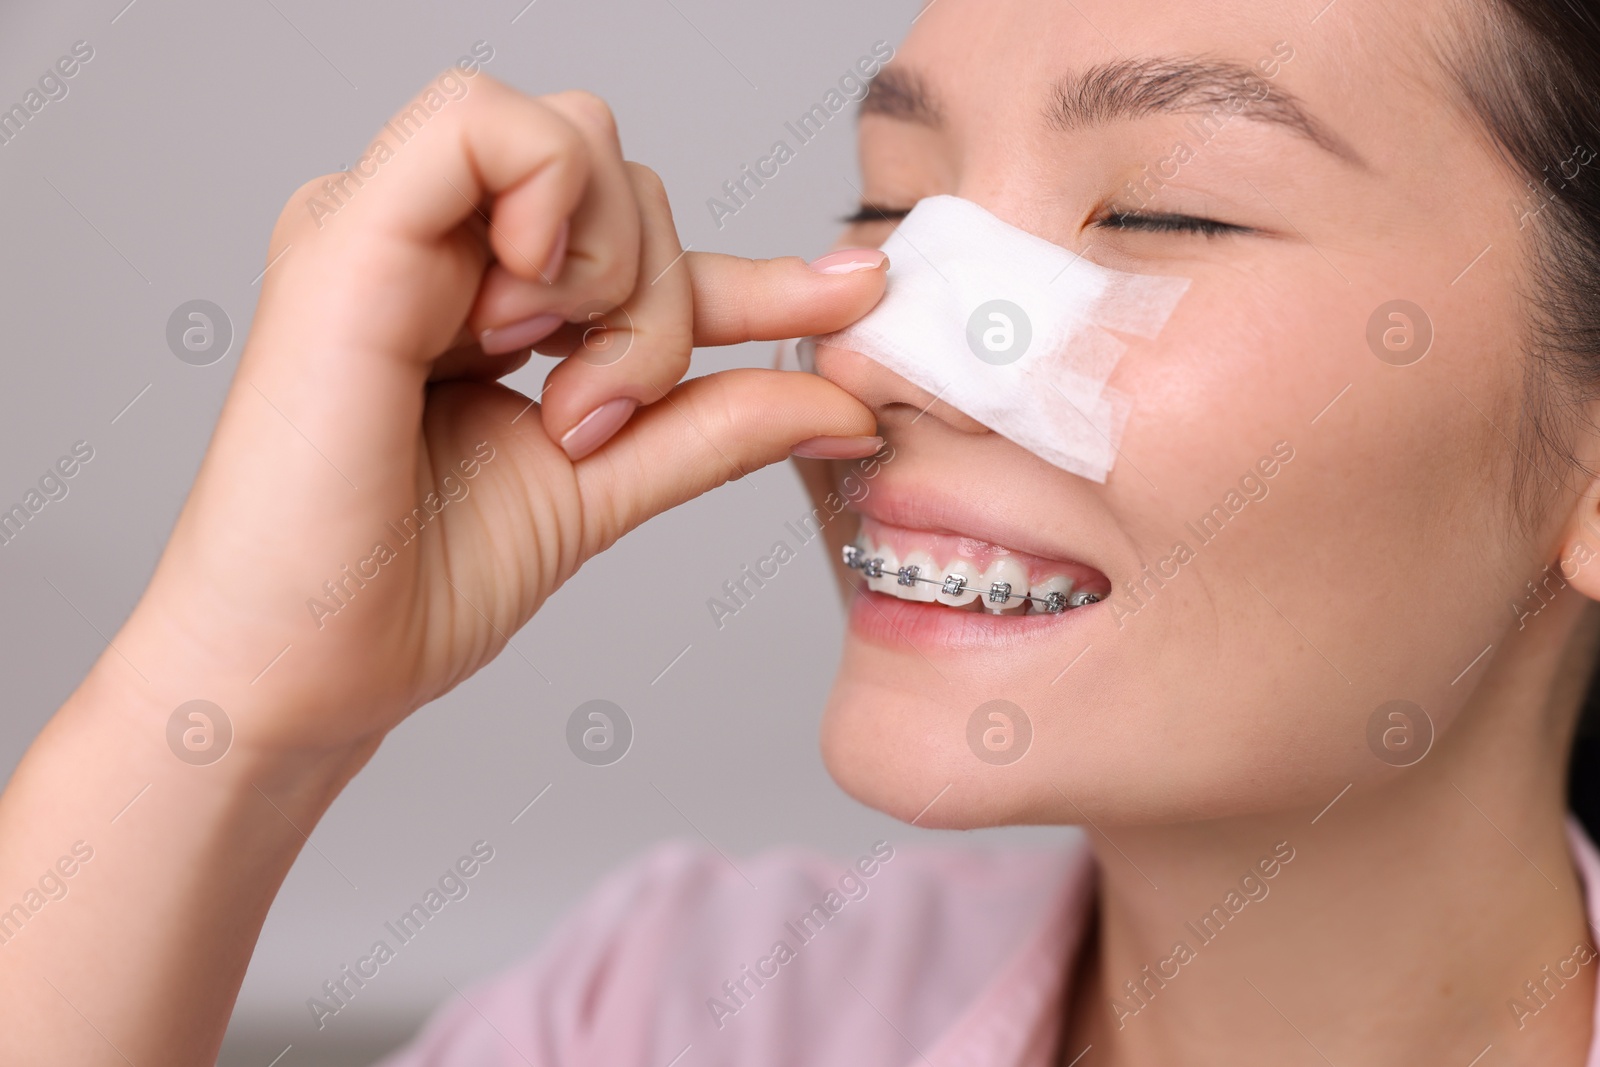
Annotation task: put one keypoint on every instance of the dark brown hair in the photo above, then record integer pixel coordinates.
(1529, 71)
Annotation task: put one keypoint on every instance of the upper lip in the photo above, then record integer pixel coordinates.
(939, 511)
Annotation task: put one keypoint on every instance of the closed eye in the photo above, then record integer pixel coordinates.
(868, 214)
(1147, 222)
(1169, 223)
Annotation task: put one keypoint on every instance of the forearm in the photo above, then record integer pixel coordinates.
(137, 954)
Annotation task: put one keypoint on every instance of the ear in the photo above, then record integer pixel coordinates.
(1579, 561)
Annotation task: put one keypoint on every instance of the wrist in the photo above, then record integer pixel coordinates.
(210, 726)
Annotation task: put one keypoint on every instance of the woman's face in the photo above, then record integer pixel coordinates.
(1299, 529)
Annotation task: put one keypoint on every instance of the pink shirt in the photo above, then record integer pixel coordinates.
(899, 957)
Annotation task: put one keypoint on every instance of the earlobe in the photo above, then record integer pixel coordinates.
(1575, 564)
(1576, 567)
(1578, 564)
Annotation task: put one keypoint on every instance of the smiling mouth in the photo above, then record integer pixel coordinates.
(965, 574)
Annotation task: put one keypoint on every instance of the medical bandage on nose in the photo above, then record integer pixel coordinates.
(1011, 330)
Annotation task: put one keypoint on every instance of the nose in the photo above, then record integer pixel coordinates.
(896, 402)
(892, 398)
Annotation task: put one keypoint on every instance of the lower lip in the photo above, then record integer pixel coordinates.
(894, 623)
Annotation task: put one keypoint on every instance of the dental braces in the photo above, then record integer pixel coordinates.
(999, 593)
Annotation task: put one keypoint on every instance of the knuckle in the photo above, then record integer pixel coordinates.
(590, 110)
(562, 143)
(614, 291)
(569, 144)
(296, 211)
(647, 181)
(613, 279)
(740, 315)
(454, 84)
(718, 411)
(670, 350)
(307, 189)
(482, 93)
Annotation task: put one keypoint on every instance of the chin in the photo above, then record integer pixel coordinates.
(903, 753)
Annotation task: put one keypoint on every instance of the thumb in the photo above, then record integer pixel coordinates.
(707, 432)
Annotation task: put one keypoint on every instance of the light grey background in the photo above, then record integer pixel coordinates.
(156, 181)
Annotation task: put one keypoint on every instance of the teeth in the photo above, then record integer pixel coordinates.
(1001, 589)
(1057, 584)
(1003, 577)
(888, 582)
(920, 591)
(969, 591)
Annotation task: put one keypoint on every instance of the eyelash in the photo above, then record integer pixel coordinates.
(866, 214)
(1121, 220)
(1169, 223)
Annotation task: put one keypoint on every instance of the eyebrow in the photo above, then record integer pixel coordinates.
(1133, 89)
(902, 94)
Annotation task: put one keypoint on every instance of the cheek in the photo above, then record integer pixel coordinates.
(1322, 600)
(1388, 475)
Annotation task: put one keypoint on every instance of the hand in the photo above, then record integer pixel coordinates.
(375, 503)
(374, 518)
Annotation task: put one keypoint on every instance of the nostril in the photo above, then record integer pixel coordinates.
(890, 395)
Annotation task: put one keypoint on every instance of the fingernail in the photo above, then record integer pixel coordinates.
(850, 261)
(558, 253)
(597, 427)
(518, 335)
(837, 448)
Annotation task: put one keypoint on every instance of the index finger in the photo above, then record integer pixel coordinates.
(738, 300)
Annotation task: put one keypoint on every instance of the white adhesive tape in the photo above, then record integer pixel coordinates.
(1009, 329)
